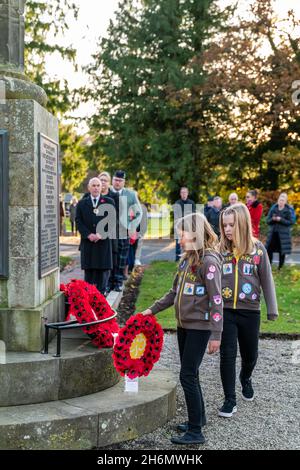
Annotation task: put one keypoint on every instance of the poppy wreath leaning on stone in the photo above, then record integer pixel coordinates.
(138, 346)
(87, 304)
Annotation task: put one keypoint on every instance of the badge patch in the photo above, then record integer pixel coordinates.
(256, 259)
(248, 269)
(227, 268)
(247, 288)
(260, 252)
(227, 292)
(212, 268)
(242, 295)
(182, 264)
(210, 276)
(254, 296)
(200, 290)
(217, 299)
(217, 317)
(188, 288)
(206, 316)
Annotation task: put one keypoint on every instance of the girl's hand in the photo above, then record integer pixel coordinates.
(213, 346)
(147, 312)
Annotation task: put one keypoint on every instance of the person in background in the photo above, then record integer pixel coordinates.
(293, 213)
(182, 207)
(208, 205)
(256, 210)
(233, 199)
(61, 215)
(95, 249)
(129, 216)
(213, 216)
(72, 209)
(279, 238)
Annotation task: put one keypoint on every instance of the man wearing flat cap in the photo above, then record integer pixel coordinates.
(129, 215)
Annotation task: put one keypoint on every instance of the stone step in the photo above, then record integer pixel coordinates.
(82, 369)
(95, 420)
(28, 378)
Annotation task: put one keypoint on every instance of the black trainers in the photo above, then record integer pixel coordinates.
(247, 389)
(189, 438)
(228, 409)
(118, 288)
(183, 427)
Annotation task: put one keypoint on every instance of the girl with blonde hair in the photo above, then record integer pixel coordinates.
(196, 295)
(246, 269)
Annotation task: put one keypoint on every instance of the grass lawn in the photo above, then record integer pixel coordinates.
(63, 261)
(158, 277)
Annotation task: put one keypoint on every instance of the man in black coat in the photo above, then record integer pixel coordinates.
(213, 216)
(96, 245)
(182, 207)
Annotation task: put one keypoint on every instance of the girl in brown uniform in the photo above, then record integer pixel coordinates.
(196, 295)
(246, 269)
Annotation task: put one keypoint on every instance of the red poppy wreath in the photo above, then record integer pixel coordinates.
(138, 346)
(88, 305)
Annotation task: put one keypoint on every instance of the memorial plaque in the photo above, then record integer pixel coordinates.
(3, 204)
(48, 206)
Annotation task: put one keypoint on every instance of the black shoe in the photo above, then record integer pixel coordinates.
(189, 438)
(228, 409)
(118, 288)
(247, 389)
(183, 427)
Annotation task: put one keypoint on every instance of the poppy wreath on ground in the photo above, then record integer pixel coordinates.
(138, 346)
(87, 304)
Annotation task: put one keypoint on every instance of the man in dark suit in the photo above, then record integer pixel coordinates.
(182, 207)
(96, 244)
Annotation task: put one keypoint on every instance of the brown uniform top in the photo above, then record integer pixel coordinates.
(196, 295)
(242, 280)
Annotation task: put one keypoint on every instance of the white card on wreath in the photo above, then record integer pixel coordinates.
(131, 385)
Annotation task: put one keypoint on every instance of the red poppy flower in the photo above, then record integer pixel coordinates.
(133, 354)
(85, 302)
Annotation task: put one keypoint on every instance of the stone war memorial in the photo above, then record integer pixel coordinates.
(75, 401)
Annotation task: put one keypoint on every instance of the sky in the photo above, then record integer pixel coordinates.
(92, 23)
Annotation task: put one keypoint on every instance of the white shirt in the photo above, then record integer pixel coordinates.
(97, 200)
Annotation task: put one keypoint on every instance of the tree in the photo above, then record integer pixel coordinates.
(45, 20)
(251, 69)
(74, 163)
(147, 58)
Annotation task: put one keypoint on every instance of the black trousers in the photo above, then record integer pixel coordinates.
(240, 326)
(192, 346)
(275, 247)
(98, 277)
(73, 227)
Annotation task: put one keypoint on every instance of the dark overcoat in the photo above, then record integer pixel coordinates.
(93, 255)
(283, 227)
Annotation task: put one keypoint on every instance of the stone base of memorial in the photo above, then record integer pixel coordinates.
(29, 291)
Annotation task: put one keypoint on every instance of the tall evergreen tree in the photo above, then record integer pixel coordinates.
(147, 58)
